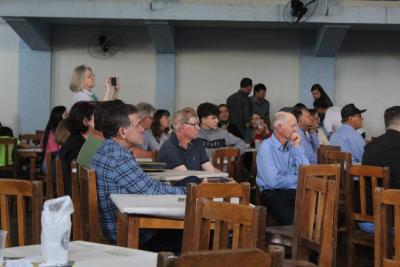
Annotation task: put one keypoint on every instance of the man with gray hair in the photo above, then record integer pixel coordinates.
(146, 112)
(278, 160)
(183, 150)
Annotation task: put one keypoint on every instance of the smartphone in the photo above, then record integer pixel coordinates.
(113, 81)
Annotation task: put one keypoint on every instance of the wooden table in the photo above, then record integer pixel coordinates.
(87, 254)
(174, 175)
(32, 155)
(137, 211)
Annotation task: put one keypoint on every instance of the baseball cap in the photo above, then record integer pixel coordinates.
(350, 110)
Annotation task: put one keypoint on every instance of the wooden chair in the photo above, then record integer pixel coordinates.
(378, 176)
(216, 258)
(209, 191)
(30, 139)
(241, 222)
(314, 228)
(345, 161)
(229, 156)
(8, 146)
(283, 235)
(76, 200)
(387, 227)
(48, 180)
(59, 178)
(90, 219)
(20, 189)
(321, 150)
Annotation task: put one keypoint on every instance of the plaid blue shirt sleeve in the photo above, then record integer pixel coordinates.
(130, 176)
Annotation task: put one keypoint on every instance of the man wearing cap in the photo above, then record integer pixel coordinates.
(346, 136)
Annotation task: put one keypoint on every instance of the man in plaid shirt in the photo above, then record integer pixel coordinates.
(117, 171)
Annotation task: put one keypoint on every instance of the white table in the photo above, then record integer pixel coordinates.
(137, 211)
(175, 175)
(87, 254)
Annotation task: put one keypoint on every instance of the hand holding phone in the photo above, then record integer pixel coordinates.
(113, 81)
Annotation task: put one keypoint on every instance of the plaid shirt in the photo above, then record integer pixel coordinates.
(117, 172)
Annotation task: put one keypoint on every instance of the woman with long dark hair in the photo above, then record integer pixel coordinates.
(49, 143)
(160, 127)
(318, 92)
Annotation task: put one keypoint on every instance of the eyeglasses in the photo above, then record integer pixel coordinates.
(195, 125)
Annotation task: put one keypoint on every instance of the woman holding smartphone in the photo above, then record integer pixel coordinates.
(83, 82)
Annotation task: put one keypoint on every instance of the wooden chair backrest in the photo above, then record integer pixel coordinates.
(76, 200)
(231, 156)
(345, 161)
(59, 178)
(316, 213)
(90, 219)
(9, 145)
(30, 139)
(21, 189)
(387, 227)
(241, 222)
(48, 178)
(223, 257)
(226, 191)
(321, 150)
(379, 176)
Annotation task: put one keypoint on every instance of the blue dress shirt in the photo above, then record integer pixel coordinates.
(310, 144)
(349, 141)
(277, 164)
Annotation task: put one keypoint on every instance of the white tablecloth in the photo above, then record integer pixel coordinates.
(174, 175)
(86, 254)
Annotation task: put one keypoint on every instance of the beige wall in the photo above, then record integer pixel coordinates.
(134, 64)
(9, 46)
(211, 63)
(368, 74)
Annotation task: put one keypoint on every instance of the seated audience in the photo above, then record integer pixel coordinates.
(183, 150)
(225, 123)
(278, 160)
(333, 120)
(384, 151)
(213, 137)
(346, 136)
(309, 139)
(80, 124)
(323, 140)
(146, 114)
(95, 138)
(49, 143)
(117, 171)
(319, 93)
(62, 132)
(160, 128)
(321, 105)
(83, 81)
(257, 131)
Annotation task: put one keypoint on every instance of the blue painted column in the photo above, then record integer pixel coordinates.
(165, 81)
(315, 69)
(34, 89)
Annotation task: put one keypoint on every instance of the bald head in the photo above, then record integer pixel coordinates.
(282, 118)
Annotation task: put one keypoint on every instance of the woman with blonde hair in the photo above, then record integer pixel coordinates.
(83, 81)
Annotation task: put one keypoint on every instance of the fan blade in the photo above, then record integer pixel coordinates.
(309, 3)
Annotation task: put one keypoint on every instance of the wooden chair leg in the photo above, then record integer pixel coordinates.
(350, 253)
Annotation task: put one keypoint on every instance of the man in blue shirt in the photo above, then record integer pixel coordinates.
(278, 160)
(117, 171)
(309, 138)
(346, 136)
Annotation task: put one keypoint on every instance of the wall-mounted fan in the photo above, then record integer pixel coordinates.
(104, 45)
(297, 11)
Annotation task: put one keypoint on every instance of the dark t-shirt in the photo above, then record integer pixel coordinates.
(174, 155)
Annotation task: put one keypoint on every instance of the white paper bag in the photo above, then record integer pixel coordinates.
(56, 230)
